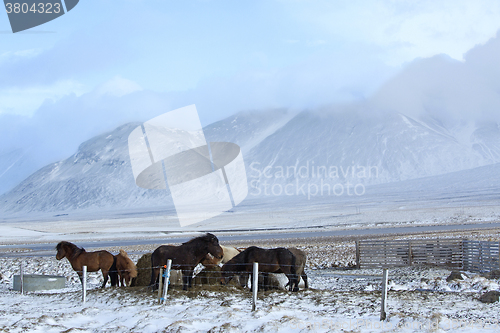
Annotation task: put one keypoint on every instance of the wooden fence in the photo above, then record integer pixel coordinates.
(481, 256)
(454, 253)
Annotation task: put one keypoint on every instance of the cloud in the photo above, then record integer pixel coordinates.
(324, 78)
(15, 101)
(77, 55)
(118, 86)
(448, 90)
(406, 29)
(57, 128)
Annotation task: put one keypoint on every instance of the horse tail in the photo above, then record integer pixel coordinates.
(113, 273)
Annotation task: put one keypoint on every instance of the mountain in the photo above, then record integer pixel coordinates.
(99, 175)
(14, 165)
(334, 146)
(337, 147)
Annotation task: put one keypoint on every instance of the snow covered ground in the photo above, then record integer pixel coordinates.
(420, 300)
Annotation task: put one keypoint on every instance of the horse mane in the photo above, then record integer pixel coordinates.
(76, 250)
(208, 237)
(239, 260)
(130, 266)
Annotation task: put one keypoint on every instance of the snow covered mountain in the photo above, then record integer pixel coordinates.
(13, 165)
(99, 174)
(340, 146)
(328, 146)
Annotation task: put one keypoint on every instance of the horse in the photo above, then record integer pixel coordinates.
(301, 258)
(229, 253)
(184, 257)
(300, 264)
(270, 261)
(95, 261)
(126, 269)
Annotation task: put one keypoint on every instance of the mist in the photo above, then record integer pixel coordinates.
(453, 93)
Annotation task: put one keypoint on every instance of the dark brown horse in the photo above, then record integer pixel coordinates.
(270, 261)
(300, 264)
(98, 260)
(184, 257)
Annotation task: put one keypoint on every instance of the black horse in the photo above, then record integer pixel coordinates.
(184, 257)
(270, 261)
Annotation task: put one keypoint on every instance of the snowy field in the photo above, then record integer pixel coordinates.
(420, 300)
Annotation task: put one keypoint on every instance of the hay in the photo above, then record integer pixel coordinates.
(143, 271)
(208, 276)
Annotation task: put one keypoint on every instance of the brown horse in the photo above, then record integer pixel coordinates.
(270, 261)
(98, 260)
(126, 268)
(184, 257)
(300, 264)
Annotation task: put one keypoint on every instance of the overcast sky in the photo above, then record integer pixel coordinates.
(108, 62)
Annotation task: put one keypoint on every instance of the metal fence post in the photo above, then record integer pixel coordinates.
(383, 309)
(84, 284)
(160, 285)
(255, 284)
(166, 280)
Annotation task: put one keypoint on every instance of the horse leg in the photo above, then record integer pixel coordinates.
(105, 276)
(190, 279)
(243, 279)
(113, 273)
(294, 285)
(304, 277)
(266, 281)
(186, 280)
(154, 278)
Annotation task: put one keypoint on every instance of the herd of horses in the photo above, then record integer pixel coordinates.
(204, 250)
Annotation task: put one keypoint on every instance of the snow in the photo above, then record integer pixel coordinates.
(348, 301)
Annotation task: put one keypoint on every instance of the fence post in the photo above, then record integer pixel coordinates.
(160, 285)
(383, 309)
(357, 254)
(84, 284)
(21, 275)
(255, 284)
(166, 280)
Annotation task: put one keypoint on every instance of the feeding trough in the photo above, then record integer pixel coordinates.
(39, 282)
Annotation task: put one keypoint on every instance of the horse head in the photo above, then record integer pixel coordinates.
(213, 246)
(61, 250)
